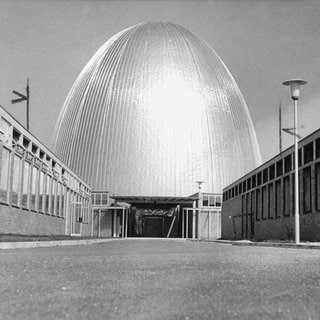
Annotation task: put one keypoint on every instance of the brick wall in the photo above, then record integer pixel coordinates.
(19, 221)
(282, 228)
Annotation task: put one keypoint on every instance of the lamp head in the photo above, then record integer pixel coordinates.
(295, 87)
(199, 184)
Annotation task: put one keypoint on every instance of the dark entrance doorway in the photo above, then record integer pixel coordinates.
(152, 226)
(155, 216)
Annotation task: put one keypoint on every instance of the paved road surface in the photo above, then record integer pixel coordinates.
(158, 279)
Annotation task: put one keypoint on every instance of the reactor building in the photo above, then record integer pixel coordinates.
(154, 111)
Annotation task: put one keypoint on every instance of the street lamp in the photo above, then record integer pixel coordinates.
(295, 94)
(200, 204)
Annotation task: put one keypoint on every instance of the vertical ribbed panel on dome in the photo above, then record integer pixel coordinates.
(153, 111)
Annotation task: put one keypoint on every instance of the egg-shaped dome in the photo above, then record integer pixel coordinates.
(154, 111)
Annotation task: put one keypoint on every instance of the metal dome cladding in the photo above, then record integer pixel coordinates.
(152, 112)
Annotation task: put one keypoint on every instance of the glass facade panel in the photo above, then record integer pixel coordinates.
(4, 179)
(41, 191)
(48, 190)
(278, 208)
(53, 196)
(258, 204)
(104, 199)
(286, 196)
(15, 180)
(287, 163)
(317, 148)
(270, 201)
(33, 189)
(62, 200)
(265, 175)
(317, 173)
(205, 201)
(307, 190)
(264, 203)
(58, 210)
(279, 168)
(271, 172)
(308, 153)
(25, 185)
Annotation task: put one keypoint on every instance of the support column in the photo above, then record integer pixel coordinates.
(187, 224)
(99, 223)
(209, 223)
(182, 231)
(193, 223)
(126, 233)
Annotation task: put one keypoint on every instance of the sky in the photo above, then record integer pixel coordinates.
(262, 43)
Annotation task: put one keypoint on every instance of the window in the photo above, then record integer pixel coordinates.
(58, 195)
(265, 175)
(4, 175)
(15, 180)
(258, 178)
(279, 168)
(293, 193)
(53, 196)
(271, 172)
(258, 204)
(34, 149)
(48, 191)
(270, 201)
(253, 204)
(253, 181)
(249, 184)
(25, 143)
(63, 192)
(317, 148)
(287, 163)
(205, 200)
(286, 196)
(218, 201)
(300, 157)
(307, 189)
(98, 199)
(25, 185)
(263, 202)
(105, 197)
(244, 186)
(41, 191)
(33, 188)
(278, 199)
(15, 136)
(308, 153)
(317, 170)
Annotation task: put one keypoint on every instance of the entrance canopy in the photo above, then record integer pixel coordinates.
(156, 200)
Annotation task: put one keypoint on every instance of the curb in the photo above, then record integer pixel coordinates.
(271, 244)
(44, 244)
(62, 243)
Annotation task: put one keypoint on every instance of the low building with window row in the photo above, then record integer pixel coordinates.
(39, 194)
(260, 205)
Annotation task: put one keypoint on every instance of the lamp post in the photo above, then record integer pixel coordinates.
(295, 94)
(200, 202)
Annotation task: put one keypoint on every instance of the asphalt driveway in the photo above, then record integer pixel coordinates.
(159, 279)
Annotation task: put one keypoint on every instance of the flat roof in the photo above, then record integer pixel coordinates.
(155, 199)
